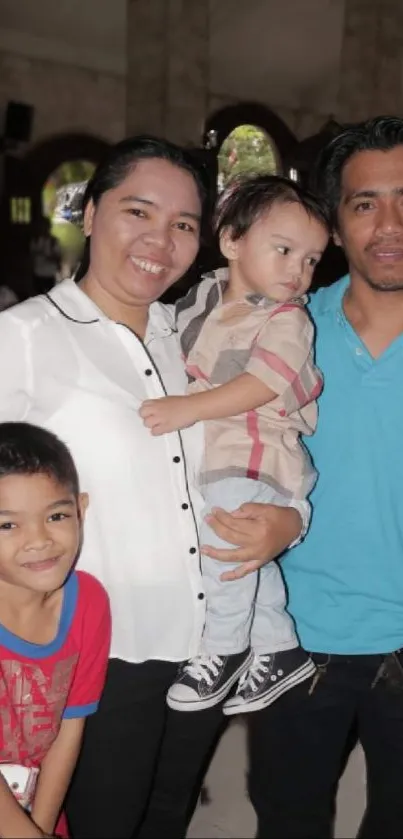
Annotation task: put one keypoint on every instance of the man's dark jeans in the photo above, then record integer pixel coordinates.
(298, 748)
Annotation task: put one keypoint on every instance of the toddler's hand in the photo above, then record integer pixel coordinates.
(170, 413)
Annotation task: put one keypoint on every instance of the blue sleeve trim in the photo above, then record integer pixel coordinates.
(75, 711)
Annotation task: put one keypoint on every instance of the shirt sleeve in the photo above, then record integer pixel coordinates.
(192, 310)
(305, 510)
(15, 374)
(95, 630)
(282, 358)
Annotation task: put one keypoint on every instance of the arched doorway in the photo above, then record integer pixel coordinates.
(243, 137)
(46, 157)
(247, 137)
(221, 124)
(21, 205)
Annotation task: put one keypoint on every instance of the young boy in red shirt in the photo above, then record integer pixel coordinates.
(54, 630)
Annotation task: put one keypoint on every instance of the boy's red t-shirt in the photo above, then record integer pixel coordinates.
(40, 685)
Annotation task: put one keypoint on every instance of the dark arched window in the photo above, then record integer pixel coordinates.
(247, 138)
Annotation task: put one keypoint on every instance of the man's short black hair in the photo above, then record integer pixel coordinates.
(377, 134)
(27, 449)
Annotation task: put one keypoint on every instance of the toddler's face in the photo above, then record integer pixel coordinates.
(278, 255)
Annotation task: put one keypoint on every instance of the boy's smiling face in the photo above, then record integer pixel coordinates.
(40, 531)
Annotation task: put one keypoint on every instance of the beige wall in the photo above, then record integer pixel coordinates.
(68, 60)
(66, 99)
(186, 60)
(305, 59)
(286, 54)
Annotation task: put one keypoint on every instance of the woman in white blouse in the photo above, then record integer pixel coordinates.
(80, 361)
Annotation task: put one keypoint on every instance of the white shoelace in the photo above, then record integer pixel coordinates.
(254, 676)
(204, 667)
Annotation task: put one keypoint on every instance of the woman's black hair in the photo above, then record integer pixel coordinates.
(247, 198)
(122, 158)
(377, 134)
(27, 449)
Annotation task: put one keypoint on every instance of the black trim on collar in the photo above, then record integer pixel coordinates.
(68, 317)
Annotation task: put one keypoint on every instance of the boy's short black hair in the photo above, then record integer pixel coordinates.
(26, 449)
(247, 198)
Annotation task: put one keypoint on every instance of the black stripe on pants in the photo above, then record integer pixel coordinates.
(141, 764)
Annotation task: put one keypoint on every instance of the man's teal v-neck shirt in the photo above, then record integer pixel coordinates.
(345, 581)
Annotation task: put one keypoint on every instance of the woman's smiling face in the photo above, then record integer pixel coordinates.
(145, 233)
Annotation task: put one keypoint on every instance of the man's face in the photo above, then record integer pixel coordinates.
(370, 218)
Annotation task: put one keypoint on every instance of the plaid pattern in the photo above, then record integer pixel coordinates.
(274, 342)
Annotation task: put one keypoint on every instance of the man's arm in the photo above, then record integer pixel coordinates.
(55, 775)
(14, 822)
(258, 532)
(244, 393)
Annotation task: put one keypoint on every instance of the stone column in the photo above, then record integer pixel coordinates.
(168, 68)
(147, 63)
(388, 97)
(371, 69)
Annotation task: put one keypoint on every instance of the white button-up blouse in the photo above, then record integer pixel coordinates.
(66, 366)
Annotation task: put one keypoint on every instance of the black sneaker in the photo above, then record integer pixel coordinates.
(268, 677)
(205, 680)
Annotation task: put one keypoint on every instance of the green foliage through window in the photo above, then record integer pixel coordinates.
(247, 150)
(70, 172)
(58, 204)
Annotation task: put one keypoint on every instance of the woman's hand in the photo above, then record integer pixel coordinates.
(261, 533)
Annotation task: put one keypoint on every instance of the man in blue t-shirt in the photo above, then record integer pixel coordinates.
(345, 580)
